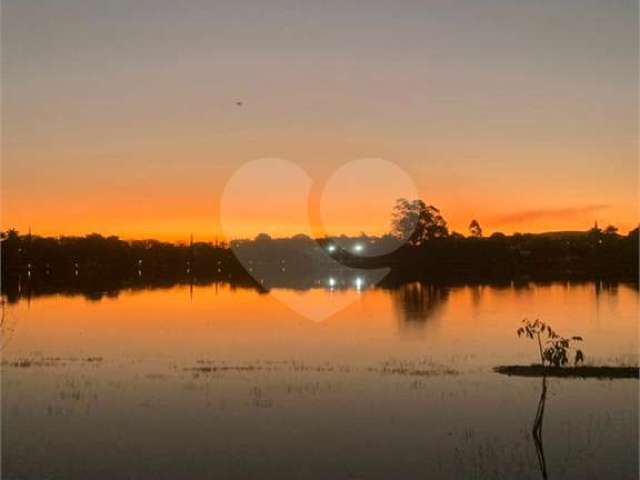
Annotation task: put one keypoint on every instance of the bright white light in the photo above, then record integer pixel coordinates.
(359, 283)
(331, 248)
(358, 247)
(332, 282)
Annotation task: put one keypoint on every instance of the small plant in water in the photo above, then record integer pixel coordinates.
(554, 349)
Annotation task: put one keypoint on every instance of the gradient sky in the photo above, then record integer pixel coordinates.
(120, 117)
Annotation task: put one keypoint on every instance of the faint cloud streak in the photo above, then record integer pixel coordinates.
(547, 213)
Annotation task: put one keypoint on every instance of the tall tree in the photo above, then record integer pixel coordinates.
(414, 221)
(475, 229)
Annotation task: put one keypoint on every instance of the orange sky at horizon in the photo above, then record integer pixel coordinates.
(132, 209)
(124, 121)
(178, 227)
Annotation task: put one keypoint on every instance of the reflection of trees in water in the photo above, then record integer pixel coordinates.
(537, 430)
(477, 291)
(522, 289)
(601, 286)
(417, 302)
(7, 324)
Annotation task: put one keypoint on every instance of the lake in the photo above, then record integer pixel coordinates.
(231, 383)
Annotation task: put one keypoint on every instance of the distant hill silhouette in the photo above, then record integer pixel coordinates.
(563, 234)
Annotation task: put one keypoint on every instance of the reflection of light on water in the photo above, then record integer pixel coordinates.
(358, 283)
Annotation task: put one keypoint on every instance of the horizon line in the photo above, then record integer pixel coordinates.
(217, 239)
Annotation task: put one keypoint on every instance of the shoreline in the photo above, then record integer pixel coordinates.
(601, 372)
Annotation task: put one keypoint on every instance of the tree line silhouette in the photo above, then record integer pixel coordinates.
(419, 247)
(431, 250)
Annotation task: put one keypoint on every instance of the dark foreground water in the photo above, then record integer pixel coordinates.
(216, 382)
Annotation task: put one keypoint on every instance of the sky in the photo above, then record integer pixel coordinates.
(121, 117)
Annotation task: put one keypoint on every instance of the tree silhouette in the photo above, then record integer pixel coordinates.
(95, 264)
(475, 229)
(556, 347)
(414, 221)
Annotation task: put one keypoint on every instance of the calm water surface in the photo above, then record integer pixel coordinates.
(217, 382)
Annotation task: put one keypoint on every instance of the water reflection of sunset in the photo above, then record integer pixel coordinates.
(242, 324)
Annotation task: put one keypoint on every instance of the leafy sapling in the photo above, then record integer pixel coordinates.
(554, 349)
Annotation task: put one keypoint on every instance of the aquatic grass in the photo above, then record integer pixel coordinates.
(26, 362)
(421, 368)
